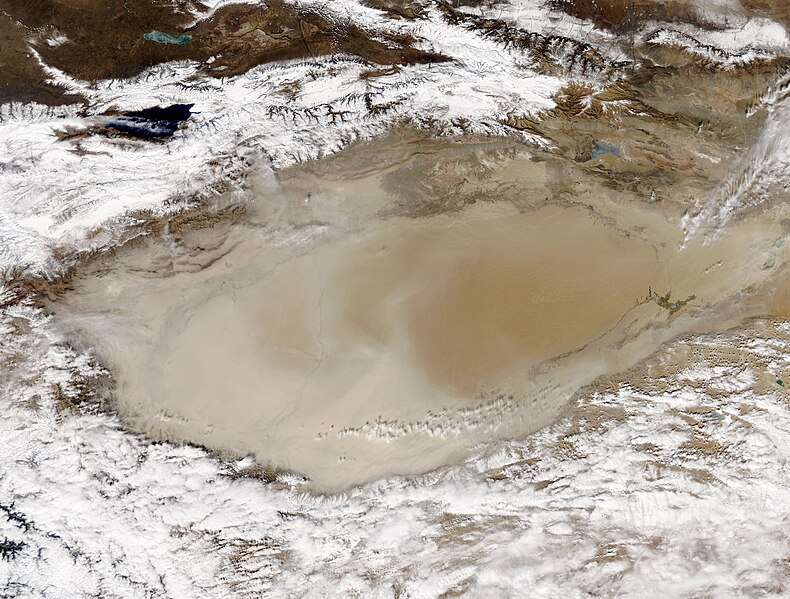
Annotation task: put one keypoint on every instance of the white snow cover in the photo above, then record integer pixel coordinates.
(672, 37)
(537, 17)
(53, 193)
(764, 170)
(73, 196)
(668, 486)
(735, 39)
(729, 29)
(742, 34)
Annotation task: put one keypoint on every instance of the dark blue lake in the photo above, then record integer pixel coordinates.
(151, 123)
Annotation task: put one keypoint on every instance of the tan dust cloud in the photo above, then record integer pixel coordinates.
(349, 348)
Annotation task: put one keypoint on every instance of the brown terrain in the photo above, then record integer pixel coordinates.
(663, 114)
(623, 15)
(473, 284)
(412, 327)
(105, 40)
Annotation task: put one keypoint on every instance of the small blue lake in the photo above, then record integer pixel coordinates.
(166, 38)
(601, 148)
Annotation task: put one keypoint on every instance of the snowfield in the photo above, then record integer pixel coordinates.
(54, 193)
(673, 482)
